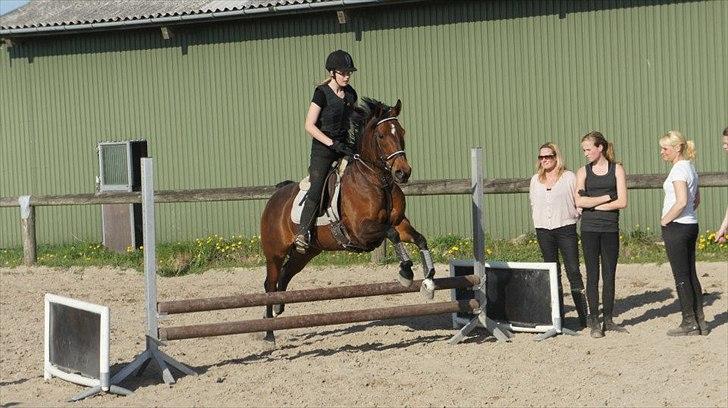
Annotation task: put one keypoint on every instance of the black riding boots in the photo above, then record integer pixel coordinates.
(581, 306)
(700, 315)
(303, 237)
(595, 329)
(609, 325)
(689, 325)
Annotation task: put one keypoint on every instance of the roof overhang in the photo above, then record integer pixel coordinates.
(206, 17)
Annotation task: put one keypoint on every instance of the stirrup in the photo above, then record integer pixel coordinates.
(301, 243)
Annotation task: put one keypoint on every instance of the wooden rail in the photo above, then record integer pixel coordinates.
(414, 188)
(308, 295)
(313, 320)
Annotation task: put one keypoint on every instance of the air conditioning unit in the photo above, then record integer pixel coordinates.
(120, 170)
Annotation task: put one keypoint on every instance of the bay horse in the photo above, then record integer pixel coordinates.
(372, 207)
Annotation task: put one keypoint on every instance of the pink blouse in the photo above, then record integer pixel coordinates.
(553, 208)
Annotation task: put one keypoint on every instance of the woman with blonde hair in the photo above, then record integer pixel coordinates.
(680, 230)
(601, 191)
(554, 213)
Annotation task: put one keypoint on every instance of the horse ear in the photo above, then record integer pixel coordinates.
(397, 108)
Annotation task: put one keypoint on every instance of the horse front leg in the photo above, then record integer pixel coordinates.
(405, 263)
(407, 233)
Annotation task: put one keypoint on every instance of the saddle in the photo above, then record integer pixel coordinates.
(328, 211)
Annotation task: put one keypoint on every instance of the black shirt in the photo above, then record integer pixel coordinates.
(333, 120)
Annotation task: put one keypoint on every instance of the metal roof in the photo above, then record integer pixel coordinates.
(73, 15)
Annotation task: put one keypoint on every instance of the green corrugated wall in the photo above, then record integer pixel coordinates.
(223, 105)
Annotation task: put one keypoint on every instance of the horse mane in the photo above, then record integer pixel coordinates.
(366, 114)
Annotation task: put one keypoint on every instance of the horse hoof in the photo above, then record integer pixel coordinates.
(270, 338)
(278, 310)
(427, 290)
(404, 281)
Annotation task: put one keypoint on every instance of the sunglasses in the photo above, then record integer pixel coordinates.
(548, 156)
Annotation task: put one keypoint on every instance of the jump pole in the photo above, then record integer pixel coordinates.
(478, 207)
(151, 351)
(313, 320)
(309, 295)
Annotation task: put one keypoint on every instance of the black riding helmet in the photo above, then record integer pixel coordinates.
(340, 60)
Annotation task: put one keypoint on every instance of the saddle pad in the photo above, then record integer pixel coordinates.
(331, 214)
(305, 183)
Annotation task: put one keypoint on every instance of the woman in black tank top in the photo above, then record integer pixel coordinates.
(601, 192)
(327, 121)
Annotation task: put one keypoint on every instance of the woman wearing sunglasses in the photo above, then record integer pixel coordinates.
(601, 188)
(554, 216)
(327, 122)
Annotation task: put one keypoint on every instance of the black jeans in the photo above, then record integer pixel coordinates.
(562, 239)
(600, 248)
(321, 160)
(680, 247)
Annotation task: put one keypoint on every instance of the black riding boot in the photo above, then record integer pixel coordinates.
(595, 329)
(581, 307)
(303, 237)
(700, 315)
(609, 325)
(689, 326)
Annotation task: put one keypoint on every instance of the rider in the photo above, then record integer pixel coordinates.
(327, 121)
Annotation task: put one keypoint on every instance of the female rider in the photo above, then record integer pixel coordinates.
(327, 121)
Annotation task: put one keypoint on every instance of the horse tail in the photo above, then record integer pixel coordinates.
(284, 183)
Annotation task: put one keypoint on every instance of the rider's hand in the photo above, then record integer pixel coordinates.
(342, 148)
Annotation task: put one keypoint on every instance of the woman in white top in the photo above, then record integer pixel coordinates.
(680, 230)
(554, 216)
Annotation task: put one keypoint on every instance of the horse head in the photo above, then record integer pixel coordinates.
(381, 142)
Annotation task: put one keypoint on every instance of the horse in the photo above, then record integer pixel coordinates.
(372, 207)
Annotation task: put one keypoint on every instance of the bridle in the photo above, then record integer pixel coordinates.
(384, 160)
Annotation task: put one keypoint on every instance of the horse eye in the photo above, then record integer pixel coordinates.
(381, 136)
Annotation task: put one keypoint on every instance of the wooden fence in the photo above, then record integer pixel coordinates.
(27, 204)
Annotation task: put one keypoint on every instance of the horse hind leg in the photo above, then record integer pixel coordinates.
(295, 263)
(273, 272)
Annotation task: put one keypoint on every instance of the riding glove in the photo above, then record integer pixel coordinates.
(342, 148)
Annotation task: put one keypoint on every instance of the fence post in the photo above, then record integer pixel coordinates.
(27, 230)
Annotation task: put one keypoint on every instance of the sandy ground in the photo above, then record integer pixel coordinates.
(402, 362)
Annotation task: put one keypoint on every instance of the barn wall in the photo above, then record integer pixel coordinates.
(223, 104)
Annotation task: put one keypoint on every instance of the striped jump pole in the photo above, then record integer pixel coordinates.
(309, 295)
(323, 319)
